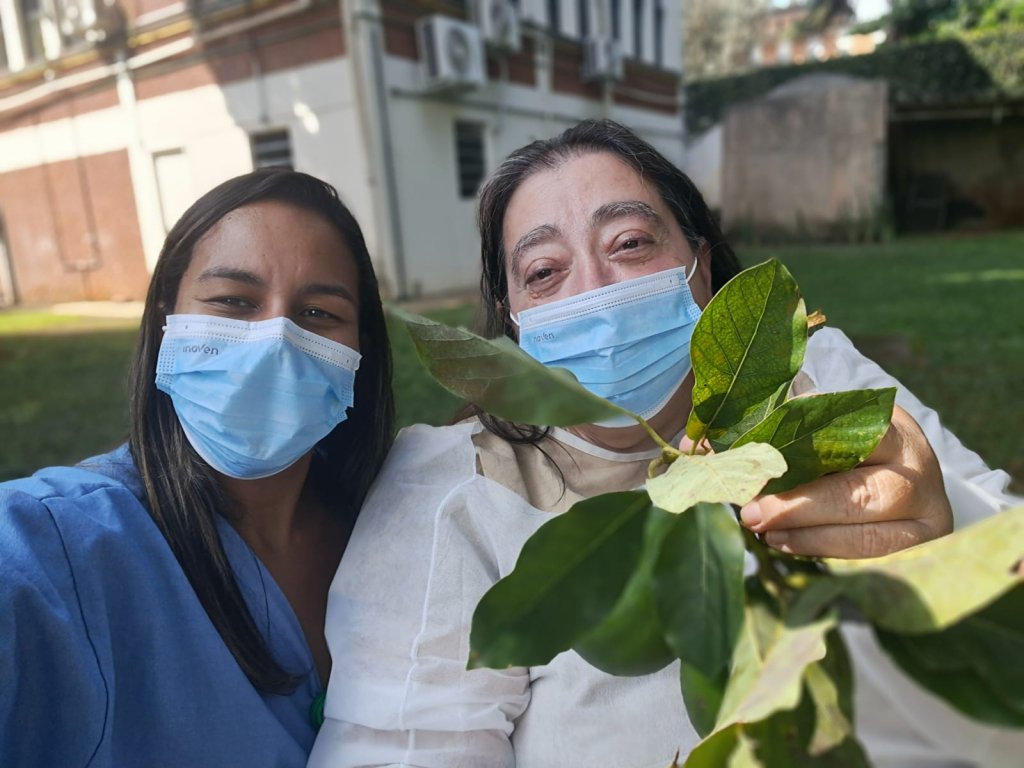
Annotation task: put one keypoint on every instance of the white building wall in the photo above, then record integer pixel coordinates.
(703, 164)
(211, 127)
(438, 233)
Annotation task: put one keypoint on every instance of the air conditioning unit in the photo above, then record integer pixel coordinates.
(602, 59)
(451, 53)
(499, 24)
(91, 20)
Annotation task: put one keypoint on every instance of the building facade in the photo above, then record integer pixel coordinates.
(115, 118)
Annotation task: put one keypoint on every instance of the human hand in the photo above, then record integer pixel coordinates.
(893, 500)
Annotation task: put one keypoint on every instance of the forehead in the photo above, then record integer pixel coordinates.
(274, 238)
(571, 192)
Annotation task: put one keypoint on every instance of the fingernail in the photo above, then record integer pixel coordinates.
(778, 540)
(751, 514)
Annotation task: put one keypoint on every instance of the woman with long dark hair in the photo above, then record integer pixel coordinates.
(163, 604)
(598, 256)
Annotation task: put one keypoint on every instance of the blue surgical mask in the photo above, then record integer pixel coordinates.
(628, 342)
(253, 398)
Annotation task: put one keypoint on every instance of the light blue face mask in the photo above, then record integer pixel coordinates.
(253, 398)
(628, 343)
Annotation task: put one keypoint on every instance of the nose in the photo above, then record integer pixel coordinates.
(592, 272)
(276, 305)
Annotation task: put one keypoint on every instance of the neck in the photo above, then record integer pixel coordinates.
(270, 511)
(668, 422)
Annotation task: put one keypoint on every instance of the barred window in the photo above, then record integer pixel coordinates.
(272, 149)
(469, 153)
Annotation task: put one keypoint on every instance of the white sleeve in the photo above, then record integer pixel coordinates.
(432, 537)
(974, 490)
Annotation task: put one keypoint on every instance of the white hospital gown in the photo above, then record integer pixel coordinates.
(447, 519)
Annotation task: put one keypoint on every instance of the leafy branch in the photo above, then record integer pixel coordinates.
(635, 580)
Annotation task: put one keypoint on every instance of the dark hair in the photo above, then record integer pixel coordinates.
(184, 497)
(590, 136)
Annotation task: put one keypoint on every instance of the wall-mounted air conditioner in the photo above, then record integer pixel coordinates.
(451, 53)
(499, 24)
(602, 59)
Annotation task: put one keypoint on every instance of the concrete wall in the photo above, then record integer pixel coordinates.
(806, 157)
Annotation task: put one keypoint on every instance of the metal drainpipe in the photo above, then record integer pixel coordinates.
(366, 56)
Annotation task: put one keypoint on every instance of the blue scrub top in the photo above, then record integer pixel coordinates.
(106, 656)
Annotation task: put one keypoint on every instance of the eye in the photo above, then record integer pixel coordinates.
(541, 274)
(231, 301)
(318, 314)
(633, 243)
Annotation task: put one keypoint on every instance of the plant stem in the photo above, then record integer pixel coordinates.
(654, 435)
(765, 563)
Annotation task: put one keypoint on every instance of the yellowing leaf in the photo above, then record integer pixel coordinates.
(733, 477)
(934, 585)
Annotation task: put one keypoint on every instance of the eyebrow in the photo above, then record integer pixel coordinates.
(251, 278)
(329, 289)
(545, 233)
(227, 273)
(626, 209)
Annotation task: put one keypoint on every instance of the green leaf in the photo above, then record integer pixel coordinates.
(501, 379)
(749, 342)
(733, 477)
(823, 433)
(702, 697)
(698, 590)
(935, 585)
(629, 641)
(757, 414)
(977, 665)
(569, 576)
(961, 688)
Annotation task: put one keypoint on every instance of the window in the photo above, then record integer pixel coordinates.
(555, 15)
(584, 17)
(638, 29)
(32, 12)
(272, 149)
(469, 153)
(616, 12)
(659, 27)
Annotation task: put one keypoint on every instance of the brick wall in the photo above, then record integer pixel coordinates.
(73, 232)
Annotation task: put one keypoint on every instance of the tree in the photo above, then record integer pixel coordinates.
(718, 36)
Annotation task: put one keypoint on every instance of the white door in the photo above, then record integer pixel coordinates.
(174, 182)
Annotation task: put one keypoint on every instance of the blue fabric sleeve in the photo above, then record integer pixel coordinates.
(53, 693)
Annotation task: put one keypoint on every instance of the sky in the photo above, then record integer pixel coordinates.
(866, 10)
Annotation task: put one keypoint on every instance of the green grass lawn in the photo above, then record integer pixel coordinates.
(945, 316)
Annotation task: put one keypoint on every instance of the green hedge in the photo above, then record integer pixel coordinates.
(969, 65)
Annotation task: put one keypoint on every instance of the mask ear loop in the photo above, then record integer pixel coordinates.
(696, 260)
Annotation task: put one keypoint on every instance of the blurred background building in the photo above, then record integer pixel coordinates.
(116, 116)
(828, 119)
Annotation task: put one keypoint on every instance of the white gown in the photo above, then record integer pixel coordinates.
(447, 519)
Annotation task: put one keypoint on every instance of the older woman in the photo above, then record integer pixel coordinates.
(596, 223)
(163, 605)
